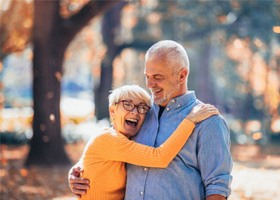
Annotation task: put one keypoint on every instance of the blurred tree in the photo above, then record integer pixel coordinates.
(252, 45)
(16, 23)
(51, 36)
(233, 49)
(110, 25)
(111, 34)
(15, 30)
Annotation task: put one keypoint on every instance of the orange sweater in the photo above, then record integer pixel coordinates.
(105, 157)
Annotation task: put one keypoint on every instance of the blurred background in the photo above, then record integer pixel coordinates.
(60, 58)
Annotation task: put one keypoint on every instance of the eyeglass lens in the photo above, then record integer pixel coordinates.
(130, 106)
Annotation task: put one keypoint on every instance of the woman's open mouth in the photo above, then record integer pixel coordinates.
(131, 122)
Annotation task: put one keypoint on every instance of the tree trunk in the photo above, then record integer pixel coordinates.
(52, 35)
(46, 146)
(111, 21)
(204, 84)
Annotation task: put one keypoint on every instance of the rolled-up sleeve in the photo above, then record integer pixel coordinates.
(214, 158)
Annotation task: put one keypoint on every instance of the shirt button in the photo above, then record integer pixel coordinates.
(178, 105)
(145, 168)
(167, 109)
(141, 193)
(173, 100)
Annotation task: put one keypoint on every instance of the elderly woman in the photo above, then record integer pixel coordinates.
(105, 156)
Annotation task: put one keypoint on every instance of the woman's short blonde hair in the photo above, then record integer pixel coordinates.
(126, 91)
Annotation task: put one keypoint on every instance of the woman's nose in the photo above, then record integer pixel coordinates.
(134, 110)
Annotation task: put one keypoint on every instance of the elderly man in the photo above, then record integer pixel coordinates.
(202, 168)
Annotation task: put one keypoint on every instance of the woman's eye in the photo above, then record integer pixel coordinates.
(127, 104)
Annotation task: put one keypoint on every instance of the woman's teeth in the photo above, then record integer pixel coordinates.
(131, 122)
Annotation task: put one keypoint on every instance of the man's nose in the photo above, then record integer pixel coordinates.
(150, 83)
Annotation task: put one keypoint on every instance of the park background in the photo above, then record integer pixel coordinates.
(59, 60)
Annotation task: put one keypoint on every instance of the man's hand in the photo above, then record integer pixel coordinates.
(77, 185)
(215, 197)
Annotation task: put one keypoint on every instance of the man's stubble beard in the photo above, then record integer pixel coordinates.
(167, 95)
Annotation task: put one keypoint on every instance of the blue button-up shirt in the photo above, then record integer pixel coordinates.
(201, 168)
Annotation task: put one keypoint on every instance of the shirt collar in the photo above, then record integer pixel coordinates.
(183, 100)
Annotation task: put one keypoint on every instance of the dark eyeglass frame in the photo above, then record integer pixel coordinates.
(141, 109)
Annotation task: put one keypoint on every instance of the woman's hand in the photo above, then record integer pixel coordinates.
(201, 112)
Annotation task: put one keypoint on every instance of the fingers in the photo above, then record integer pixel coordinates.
(201, 112)
(79, 186)
(213, 109)
(78, 169)
(204, 107)
(75, 171)
(210, 109)
(79, 189)
(74, 179)
(205, 111)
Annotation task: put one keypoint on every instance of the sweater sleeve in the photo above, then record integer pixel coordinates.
(117, 147)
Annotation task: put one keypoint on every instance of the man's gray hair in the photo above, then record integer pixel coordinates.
(171, 52)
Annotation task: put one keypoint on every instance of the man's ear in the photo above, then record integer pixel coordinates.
(183, 75)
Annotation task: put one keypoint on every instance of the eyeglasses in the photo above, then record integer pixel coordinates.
(129, 106)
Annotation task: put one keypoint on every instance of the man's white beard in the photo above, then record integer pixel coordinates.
(166, 96)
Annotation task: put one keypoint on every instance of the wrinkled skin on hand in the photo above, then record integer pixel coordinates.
(78, 186)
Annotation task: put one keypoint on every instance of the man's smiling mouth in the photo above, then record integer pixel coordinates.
(155, 91)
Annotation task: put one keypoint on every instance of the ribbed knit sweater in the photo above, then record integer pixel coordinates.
(105, 156)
